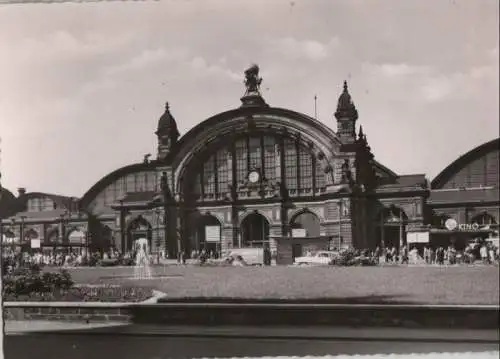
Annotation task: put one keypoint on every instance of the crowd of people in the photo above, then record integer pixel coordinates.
(485, 253)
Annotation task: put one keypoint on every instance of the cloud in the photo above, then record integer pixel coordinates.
(312, 50)
(437, 89)
(147, 59)
(393, 70)
(404, 81)
(202, 67)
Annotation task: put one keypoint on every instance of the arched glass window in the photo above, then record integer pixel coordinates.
(277, 159)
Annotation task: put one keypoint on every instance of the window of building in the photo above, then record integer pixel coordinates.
(306, 170)
(255, 152)
(241, 160)
(141, 182)
(222, 172)
(110, 194)
(269, 158)
(209, 177)
(290, 165)
(130, 183)
(320, 177)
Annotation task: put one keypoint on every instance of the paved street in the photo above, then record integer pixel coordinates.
(125, 347)
(96, 341)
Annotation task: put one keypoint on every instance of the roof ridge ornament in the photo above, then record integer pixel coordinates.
(252, 96)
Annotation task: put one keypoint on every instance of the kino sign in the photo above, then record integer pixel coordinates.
(453, 225)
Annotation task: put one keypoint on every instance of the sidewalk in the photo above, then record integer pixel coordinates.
(25, 327)
(368, 334)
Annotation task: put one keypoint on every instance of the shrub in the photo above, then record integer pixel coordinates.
(31, 282)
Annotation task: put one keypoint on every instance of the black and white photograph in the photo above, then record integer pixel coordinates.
(249, 179)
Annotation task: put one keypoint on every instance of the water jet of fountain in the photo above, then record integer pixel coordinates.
(142, 268)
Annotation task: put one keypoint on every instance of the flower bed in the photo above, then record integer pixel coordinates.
(30, 285)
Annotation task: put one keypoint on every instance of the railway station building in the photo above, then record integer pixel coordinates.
(258, 175)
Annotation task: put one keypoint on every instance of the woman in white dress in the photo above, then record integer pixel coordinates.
(142, 269)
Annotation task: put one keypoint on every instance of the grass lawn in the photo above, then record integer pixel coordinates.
(412, 285)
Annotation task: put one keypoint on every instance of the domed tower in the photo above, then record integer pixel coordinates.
(167, 134)
(346, 116)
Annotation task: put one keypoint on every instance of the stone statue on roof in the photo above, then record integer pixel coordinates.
(252, 79)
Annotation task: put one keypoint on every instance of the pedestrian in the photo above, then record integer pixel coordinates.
(484, 254)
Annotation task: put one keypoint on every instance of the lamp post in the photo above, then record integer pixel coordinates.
(122, 228)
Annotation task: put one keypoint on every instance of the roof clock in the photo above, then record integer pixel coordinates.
(254, 177)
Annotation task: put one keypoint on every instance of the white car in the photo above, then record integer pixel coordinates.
(318, 258)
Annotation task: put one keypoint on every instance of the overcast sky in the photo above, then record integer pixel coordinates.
(82, 85)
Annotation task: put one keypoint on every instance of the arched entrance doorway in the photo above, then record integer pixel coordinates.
(307, 221)
(392, 227)
(254, 231)
(205, 234)
(303, 224)
(138, 228)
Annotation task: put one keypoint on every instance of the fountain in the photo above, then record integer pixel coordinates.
(142, 268)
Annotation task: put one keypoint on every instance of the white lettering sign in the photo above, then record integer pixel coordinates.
(212, 234)
(35, 243)
(417, 237)
(299, 233)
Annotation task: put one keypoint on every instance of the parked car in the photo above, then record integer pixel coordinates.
(318, 258)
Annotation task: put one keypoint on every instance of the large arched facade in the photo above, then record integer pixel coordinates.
(251, 166)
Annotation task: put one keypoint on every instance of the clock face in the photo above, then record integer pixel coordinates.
(253, 176)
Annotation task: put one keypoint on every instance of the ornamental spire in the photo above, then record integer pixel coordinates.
(345, 106)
